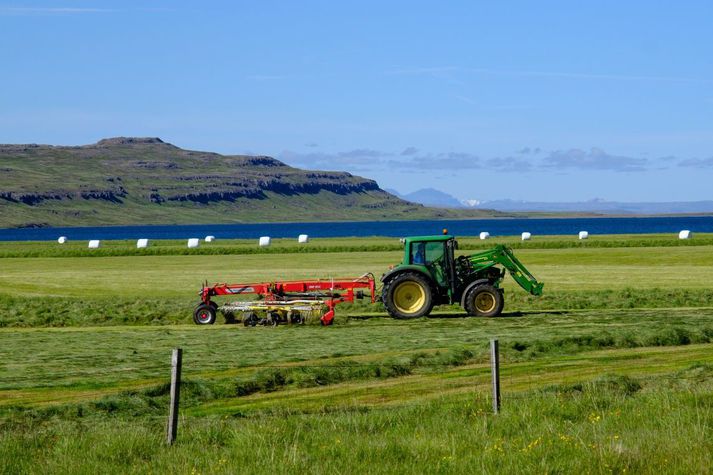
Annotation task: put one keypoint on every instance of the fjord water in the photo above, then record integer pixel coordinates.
(496, 227)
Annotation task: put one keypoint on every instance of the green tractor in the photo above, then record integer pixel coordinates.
(430, 274)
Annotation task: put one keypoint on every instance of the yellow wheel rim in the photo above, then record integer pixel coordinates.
(409, 297)
(485, 302)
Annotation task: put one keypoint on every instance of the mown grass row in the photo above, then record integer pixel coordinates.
(335, 245)
(60, 363)
(20, 311)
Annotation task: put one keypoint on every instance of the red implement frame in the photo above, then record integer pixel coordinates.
(331, 291)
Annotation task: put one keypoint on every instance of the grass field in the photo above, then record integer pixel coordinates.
(611, 371)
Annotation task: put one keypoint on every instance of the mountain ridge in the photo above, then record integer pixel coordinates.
(144, 180)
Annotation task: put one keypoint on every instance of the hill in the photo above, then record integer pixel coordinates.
(431, 197)
(125, 180)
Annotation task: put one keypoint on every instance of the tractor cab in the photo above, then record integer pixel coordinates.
(433, 256)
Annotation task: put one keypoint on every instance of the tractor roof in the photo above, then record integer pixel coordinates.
(436, 238)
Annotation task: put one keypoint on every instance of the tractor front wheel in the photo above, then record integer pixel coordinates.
(484, 301)
(408, 295)
(204, 314)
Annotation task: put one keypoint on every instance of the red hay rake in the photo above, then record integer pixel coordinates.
(284, 301)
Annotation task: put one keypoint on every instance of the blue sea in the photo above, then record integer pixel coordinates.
(496, 227)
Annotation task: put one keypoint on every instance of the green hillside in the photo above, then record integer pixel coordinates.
(124, 180)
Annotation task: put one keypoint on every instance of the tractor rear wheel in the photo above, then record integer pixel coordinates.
(204, 314)
(408, 295)
(484, 301)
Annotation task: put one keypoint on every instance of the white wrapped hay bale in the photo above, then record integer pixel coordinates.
(484, 235)
(94, 244)
(583, 235)
(302, 239)
(62, 239)
(209, 238)
(193, 243)
(264, 241)
(142, 243)
(526, 236)
(685, 234)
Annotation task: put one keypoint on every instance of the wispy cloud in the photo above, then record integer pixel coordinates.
(509, 164)
(352, 160)
(362, 153)
(365, 159)
(528, 159)
(431, 70)
(529, 150)
(437, 70)
(594, 159)
(466, 99)
(427, 163)
(697, 163)
(52, 10)
(267, 77)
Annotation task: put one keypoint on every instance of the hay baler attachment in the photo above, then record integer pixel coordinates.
(284, 301)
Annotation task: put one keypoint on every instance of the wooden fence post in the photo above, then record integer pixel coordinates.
(495, 370)
(172, 426)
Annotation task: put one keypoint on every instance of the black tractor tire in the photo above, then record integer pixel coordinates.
(204, 314)
(408, 295)
(484, 301)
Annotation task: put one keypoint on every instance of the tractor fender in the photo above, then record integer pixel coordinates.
(401, 269)
(475, 283)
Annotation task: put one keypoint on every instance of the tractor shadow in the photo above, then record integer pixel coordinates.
(455, 316)
(519, 314)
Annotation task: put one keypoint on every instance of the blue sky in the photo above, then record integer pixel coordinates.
(538, 101)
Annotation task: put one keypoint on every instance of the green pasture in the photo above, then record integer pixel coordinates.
(70, 291)
(611, 369)
(369, 396)
(689, 267)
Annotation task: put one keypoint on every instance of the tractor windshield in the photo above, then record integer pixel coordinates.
(425, 253)
(434, 252)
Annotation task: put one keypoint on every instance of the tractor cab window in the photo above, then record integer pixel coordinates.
(425, 253)
(418, 253)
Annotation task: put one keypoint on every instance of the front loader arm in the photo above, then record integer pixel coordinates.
(518, 271)
(504, 256)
